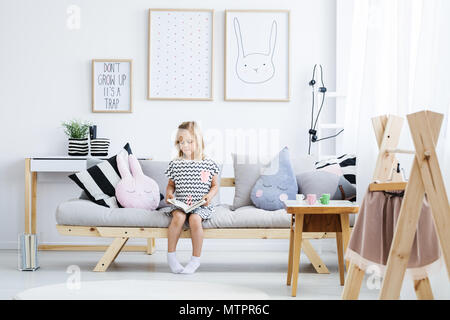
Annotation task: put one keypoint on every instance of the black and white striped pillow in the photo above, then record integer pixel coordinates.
(347, 162)
(99, 181)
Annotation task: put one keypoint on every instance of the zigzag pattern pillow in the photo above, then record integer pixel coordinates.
(99, 181)
(347, 162)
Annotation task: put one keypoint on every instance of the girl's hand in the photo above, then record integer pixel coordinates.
(169, 196)
(206, 197)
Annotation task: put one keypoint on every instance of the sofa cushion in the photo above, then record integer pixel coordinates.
(155, 170)
(247, 172)
(80, 212)
(319, 182)
(276, 184)
(99, 181)
(347, 162)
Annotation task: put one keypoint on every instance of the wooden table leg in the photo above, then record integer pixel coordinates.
(353, 283)
(297, 249)
(27, 194)
(151, 245)
(291, 250)
(345, 226)
(340, 254)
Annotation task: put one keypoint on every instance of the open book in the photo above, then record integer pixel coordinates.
(183, 206)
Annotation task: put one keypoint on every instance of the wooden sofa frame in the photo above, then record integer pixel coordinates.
(122, 234)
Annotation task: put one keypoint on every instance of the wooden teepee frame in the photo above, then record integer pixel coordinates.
(425, 178)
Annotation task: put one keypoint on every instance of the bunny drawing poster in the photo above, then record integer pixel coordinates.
(257, 55)
(256, 67)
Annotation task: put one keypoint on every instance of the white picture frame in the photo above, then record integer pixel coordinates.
(112, 85)
(180, 54)
(257, 55)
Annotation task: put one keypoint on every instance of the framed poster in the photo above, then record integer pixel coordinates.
(257, 55)
(112, 85)
(180, 54)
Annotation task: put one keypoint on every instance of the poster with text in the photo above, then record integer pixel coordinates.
(111, 85)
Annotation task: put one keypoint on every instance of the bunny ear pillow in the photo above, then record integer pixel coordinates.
(136, 190)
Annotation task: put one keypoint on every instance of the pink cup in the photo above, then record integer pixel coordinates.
(311, 199)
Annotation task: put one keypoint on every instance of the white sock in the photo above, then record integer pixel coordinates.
(174, 265)
(192, 265)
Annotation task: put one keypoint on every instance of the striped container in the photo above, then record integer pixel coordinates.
(78, 147)
(99, 147)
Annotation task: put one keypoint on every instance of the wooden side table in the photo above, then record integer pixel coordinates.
(317, 218)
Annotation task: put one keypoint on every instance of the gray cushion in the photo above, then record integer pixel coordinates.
(80, 212)
(319, 182)
(83, 196)
(155, 170)
(245, 176)
(90, 162)
(276, 184)
(246, 173)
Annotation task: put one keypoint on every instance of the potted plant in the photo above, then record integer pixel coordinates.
(77, 131)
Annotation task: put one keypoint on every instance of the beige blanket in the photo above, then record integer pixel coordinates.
(373, 232)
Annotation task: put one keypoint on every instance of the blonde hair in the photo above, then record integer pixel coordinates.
(196, 133)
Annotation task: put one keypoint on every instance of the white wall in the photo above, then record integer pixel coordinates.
(45, 79)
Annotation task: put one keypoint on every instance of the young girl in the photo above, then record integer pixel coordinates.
(192, 177)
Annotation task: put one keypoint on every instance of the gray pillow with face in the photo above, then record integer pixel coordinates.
(247, 172)
(276, 184)
(320, 182)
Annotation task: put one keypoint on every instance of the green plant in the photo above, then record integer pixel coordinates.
(76, 129)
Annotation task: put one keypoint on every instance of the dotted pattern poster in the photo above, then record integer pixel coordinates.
(180, 57)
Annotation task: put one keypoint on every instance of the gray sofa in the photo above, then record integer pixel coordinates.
(82, 212)
(81, 217)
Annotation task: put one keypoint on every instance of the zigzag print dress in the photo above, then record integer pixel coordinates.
(192, 181)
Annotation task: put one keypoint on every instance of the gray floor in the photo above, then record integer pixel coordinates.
(265, 271)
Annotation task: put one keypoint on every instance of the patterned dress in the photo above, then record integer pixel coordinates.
(192, 181)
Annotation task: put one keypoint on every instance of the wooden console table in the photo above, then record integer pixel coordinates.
(317, 218)
(67, 164)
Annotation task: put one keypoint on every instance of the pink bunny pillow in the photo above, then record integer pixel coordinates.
(136, 190)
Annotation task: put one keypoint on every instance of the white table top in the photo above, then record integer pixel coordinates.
(79, 157)
(333, 203)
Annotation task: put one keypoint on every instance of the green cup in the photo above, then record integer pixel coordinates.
(325, 198)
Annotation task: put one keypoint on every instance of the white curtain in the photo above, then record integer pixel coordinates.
(399, 63)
